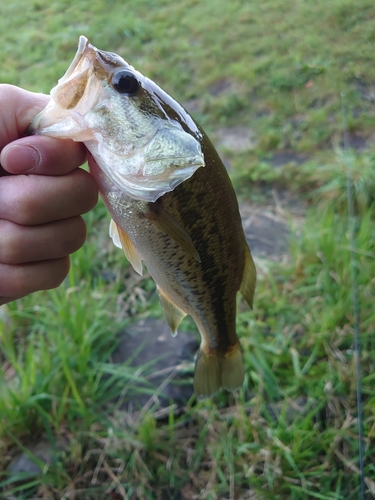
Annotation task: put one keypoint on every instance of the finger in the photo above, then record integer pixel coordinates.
(20, 280)
(23, 244)
(42, 155)
(38, 199)
(3, 172)
(18, 108)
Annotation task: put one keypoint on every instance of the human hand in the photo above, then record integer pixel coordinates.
(41, 203)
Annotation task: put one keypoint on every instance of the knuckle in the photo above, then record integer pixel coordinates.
(61, 269)
(31, 202)
(21, 280)
(9, 243)
(14, 281)
(75, 235)
(22, 200)
(87, 190)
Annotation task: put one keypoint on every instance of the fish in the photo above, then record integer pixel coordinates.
(172, 203)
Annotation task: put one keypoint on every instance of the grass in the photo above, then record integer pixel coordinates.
(276, 69)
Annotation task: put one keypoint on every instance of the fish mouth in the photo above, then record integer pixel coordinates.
(101, 62)
(83, 47)
(72, 86)
(78, 89)
(81, 81)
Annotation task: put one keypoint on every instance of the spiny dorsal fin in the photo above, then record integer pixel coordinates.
(169, 225)
(173, 314)
(122, 240)
(247, 287)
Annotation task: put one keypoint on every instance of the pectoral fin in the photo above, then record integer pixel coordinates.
(247, 287)
(122, 240)
(169, 225)
(173, 314)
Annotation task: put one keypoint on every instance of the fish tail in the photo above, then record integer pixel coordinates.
(207, 376)
(232, 371)
(213, 371)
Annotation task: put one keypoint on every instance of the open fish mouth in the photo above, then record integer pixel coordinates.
(83, 44)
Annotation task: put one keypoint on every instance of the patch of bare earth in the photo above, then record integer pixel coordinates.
(267, 225)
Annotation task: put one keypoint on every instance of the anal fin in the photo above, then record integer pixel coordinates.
(169, 225)
(122, 240)
(247, 287)
(173, 314)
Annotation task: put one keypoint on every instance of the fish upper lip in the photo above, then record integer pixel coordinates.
(82, 44)
(84, 50)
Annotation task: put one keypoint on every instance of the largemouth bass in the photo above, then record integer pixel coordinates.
(170, 197)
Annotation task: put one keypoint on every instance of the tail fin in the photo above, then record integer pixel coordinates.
(207, 376)
(232, 371)
(213, 372)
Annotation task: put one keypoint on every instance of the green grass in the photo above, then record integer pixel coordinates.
(277, 68)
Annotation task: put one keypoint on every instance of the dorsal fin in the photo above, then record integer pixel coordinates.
(173, 314)
(169, 225)
(247, 287)
(122, 240)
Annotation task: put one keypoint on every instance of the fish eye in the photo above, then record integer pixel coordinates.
(125, 82)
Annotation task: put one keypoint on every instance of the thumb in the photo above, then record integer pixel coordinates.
(33, 154)
(18, 108)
